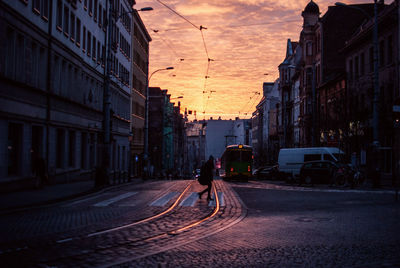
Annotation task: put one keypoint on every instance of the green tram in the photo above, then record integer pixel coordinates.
(236, 162)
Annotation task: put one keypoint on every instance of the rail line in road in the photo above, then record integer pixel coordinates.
(172, 228)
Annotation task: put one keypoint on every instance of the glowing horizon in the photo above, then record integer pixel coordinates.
(244, 38)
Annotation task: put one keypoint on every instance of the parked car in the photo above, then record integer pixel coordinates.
(290, 160)
(321, 171)
(266, 172)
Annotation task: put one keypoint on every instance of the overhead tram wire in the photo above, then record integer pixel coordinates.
(165, 42)
(235, 26)
(179, 15)
(204, 44)
(251, 97)
(254, 101)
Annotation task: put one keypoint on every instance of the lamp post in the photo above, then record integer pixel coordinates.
(106, 96)
(146, 121)
(179, 97)
(375, 106)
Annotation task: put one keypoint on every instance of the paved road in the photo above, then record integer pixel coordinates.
(290, 226)
(258, 224)
(115, 226)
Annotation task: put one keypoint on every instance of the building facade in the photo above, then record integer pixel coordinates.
(140, 71)
(360, 85)
(265, 141)
(52, 84)
(167, 135)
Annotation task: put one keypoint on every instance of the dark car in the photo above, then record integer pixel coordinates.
(267, 172)
(320, 171)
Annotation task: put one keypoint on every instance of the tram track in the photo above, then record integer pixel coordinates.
(94, 242)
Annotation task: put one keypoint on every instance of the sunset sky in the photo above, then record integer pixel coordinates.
(245, 39)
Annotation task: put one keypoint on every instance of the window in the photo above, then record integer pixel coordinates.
(312, 157)
(94, 49)
(103, 53)
(308, 76)
(351, 69)
(390, 49)
(14, 148)
(371, 59)
(84, 39)
(60, 148)
(92, 150)
(83, 150)
(381, 53)
(356, 59)
(89, 43)
(45, 9)
(59, 15)
(85, 4)
(100, 15)
(66, 20)
(71, 151)
(104, 18)
(36, 6)
(95, 10)
(309, 49)
(37, 140)
(362, 64)
(328, 157)
(98, 52)
(90, 7)
(78, 32)
(72, 29)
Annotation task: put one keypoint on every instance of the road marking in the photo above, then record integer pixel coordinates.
(114, 199)
(162, 201)
(85, 199)
(221, 200)
(190, 200)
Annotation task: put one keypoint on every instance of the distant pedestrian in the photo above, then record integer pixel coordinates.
(206, 174)
(39, 169)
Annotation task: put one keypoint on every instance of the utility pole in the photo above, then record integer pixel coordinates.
(102, 178)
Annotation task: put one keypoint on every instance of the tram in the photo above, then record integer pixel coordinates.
(236, 162)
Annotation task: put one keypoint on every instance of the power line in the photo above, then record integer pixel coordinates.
(234, 26)
(201, 28)
(178, 14)
(251, 97)
(255, 99)
(165, 42)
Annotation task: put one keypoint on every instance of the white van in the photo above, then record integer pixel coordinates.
(290, 160)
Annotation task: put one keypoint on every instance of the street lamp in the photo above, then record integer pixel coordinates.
(145, 9)
(146, 120)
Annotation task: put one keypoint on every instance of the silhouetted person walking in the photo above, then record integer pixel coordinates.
(207, 174)
(39, 169)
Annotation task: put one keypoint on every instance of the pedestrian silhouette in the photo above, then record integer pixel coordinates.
(206, 174)
(39, 169)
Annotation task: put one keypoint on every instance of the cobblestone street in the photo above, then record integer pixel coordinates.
(164, 224)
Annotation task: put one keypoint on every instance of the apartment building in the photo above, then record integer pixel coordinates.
(52, 80)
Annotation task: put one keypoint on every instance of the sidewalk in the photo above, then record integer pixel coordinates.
(49, 194)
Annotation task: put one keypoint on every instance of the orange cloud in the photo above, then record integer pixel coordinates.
(245, 39)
